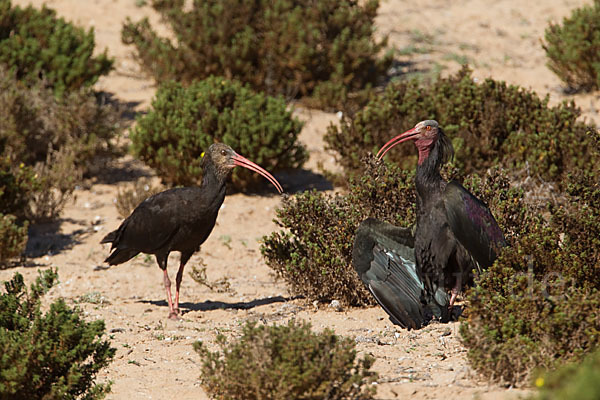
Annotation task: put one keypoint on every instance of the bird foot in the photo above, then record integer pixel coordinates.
(174, 315)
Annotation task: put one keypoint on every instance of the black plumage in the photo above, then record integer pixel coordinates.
(455, 234)
(179, 219)
(384, 258)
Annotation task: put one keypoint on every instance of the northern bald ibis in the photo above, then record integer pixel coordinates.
(179, 219)
(455, 233)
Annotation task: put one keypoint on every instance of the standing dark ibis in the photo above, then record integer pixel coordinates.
(179, 219)
(455, 234)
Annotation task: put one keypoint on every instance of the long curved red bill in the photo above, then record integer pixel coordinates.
(403, 137)
(244, 162)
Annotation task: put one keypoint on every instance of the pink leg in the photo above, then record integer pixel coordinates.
(172, 313)
(455, 290)
(177, 286)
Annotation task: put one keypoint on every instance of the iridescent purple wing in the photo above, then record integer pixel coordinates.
(473, 224)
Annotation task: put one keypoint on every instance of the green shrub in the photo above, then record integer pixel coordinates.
(184, 121)
(537, 306)
(57, 138)
(286, 47)
(573, 48)
(16, 187)
(17, 183)
(36, 43)
(13, 238)
(579, 381)
(489, 123)
(286, 362)
(51, 355)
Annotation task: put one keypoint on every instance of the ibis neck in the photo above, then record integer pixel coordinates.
(428, 180)
(214, 178)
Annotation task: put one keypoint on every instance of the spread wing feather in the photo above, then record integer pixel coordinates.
(383, 256)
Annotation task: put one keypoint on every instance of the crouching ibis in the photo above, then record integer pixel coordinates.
(179, 219)
(455, 234)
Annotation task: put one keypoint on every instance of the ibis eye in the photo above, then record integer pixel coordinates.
(223, 152)
(428, 127)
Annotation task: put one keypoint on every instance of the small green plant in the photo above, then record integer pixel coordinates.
(198, 274)
(489, 122)
(92, 298)
(13, 238)
(185, 121)
(572, 381)
(48, 355)
(573, 48)
(129, 199)
(225, 241)
(36, 43)
(285, 362)
(293, 48)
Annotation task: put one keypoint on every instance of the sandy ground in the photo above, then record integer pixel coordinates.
(154, 358)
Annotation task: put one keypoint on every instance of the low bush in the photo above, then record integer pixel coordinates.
(536, 307)
(56, 139)
(16, 186)
(572, 381)
(293, 48)
(285, 362)
(17, 183)
(573, 48)
(51, 355)
(185, 121)
(13, 238)
(490, 123)
(36, 43)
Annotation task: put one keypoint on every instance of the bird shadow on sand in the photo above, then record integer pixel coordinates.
(210, 305)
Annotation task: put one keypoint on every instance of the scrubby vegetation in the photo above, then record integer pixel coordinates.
(572, 381)
(16, 186)
(48, 143)
(53, 127)
(490, 123)
(573, 48)
(36, 43)
(293, 48)
(285, 362)
(13, 238)
(536, 307)
(51, 355)
(185, 121)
